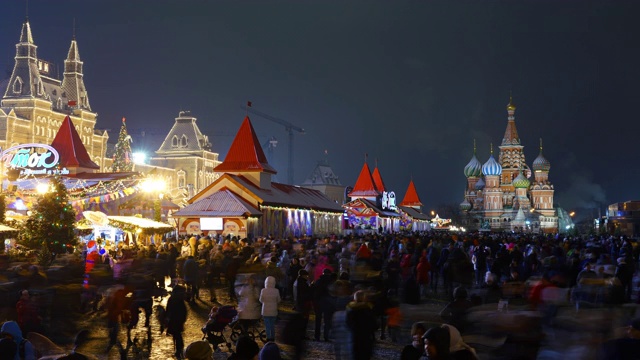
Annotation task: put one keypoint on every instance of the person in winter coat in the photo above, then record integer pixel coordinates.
(458, 349)
(190, 272)
(176, 316)
(422, 273)
(362, 324)
(12, 330)
(302, 295)
(270, 298)
(248, 304)
(292, 274)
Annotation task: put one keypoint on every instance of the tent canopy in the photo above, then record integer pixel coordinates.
(4, 229)
(133, 223)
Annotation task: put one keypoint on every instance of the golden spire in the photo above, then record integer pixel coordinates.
(511, 106)
(474, 146)
(540, 145)
(491, 149)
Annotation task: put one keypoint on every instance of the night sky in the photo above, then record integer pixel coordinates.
(411, 84)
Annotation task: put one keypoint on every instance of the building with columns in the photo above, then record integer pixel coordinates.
(500, 194)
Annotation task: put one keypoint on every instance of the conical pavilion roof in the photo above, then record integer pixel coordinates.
(411, 197)
(365, 186)
(70, 148)
(377, 180)
(245, 153)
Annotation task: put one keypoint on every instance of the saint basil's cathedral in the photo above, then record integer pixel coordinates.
(500, 194)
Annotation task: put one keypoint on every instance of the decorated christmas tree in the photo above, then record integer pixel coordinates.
(123, 157)
(52, 221)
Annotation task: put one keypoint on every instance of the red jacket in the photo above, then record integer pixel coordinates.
(422, 271)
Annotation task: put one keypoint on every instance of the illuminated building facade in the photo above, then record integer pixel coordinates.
(34, 102)
(500, 194)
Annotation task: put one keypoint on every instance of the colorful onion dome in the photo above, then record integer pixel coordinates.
(473, 168)
(480, 184)
(521, 182)
(541, 163)
(465, 205)
(491, 167)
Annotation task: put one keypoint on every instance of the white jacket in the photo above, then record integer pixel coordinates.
(270, 297)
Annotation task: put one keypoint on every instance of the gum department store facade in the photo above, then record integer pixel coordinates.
(35, 102)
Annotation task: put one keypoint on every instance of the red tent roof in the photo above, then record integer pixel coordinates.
(72, 152)
(364, 185)
(411, 196)
(245, 153)
(377, 180)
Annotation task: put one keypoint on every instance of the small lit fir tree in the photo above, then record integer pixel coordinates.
(123, 157)
(52, 221)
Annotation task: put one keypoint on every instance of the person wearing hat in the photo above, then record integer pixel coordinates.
(302, 295)
(270, 351)
(436, 343)
(625, 348)
(198, 350)
(11, 330)
(246, 349)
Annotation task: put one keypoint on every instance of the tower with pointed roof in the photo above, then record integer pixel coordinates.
(511, 156)
(411, 198)
(365, 186)
(246, 157)
(35, 101)
(187, 150)
(73, 79)
(323, 179)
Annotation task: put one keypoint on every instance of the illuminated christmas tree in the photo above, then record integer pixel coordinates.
(123, 158)
(52, 221)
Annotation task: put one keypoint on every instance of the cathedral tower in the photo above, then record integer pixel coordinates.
(493, 206)
(541, 189)
(511, 156)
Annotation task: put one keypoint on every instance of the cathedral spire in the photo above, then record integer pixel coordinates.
(511, 133)
(73, 79)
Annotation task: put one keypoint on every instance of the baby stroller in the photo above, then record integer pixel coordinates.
(252, 328)
(219, 318)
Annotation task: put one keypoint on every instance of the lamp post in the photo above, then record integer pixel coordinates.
(155, 186)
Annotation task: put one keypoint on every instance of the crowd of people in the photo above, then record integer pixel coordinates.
(354, 286)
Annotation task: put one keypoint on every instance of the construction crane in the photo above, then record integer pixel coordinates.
(289, 127)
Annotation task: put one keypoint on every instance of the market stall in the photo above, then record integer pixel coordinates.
(144, 230)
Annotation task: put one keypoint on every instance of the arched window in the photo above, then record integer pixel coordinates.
(183, 141)
(174, 141)
(17, 85)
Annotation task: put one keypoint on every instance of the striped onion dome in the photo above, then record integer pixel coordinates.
(491, 167)
(541, 163)
(473, 168)
(465, 205)
(521, 182)
(480, 184)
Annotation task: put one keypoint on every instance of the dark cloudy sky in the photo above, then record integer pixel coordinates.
(410, 83)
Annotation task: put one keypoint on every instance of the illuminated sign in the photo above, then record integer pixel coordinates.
(389, 201)
(32, 159)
